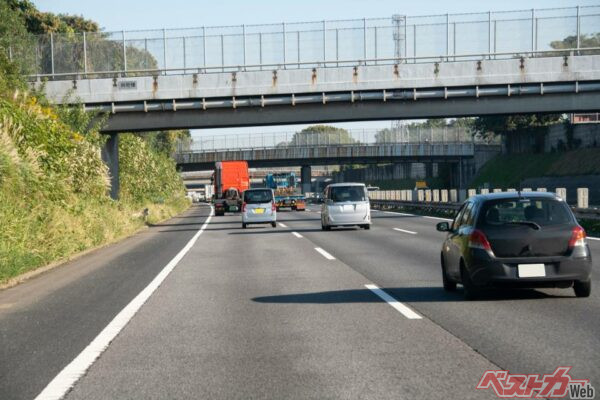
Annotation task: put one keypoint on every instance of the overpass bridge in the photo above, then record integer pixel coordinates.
(400, 67)
(454, 146)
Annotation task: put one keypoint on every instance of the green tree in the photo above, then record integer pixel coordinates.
(585, 41)
(322, 134)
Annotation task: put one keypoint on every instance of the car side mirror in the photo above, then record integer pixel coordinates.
(443, 227)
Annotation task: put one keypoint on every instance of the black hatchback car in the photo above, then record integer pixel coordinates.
(517, 239)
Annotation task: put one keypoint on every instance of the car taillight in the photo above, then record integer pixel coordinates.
(478, 240)
(577, 237)
(244, 207)
(273, 206)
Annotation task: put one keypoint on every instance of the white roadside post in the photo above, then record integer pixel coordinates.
(436, 195)
(582, 198)
(444, 195)
(562, 193)
(453, 196)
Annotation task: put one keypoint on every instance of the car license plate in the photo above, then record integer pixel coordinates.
(531, 270)
(259, 210)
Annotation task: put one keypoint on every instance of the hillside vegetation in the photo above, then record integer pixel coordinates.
(54, 185)
(509, 170)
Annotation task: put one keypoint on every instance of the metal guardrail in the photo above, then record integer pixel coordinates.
(304, 44)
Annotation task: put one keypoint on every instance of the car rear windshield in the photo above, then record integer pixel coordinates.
(348, 193)
(258, 196)
(516, 211)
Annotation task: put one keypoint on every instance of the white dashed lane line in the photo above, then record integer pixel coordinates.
(297, 234)
(405, 231)
(403, 309)
(282, 225)
(437, 218)
(324, 253)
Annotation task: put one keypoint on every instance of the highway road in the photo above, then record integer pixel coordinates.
(290, 312)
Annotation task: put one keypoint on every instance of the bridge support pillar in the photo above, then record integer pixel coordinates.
(305, 175)
(110, 155)
(460, 174)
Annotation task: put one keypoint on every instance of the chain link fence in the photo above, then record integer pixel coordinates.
(446, 37)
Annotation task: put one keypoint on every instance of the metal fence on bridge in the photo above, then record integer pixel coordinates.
(404, 134)
(307, 44)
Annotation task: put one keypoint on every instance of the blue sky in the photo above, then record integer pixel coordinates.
(116, 15)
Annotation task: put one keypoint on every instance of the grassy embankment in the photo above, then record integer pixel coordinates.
(54, 185)
(506, 171)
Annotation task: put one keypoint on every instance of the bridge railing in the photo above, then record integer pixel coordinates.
(495, 34)
(404, 135)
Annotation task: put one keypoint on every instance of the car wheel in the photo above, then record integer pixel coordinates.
(471, 291)
(582, 288)
(244, 225)
(366, 227)
(325, 227)
(449, 286)
(274, 224)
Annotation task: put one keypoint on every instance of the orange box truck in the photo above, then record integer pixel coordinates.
(230, 179)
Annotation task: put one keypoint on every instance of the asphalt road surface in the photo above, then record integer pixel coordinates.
(286, 312)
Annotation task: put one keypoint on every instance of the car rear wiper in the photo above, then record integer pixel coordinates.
(526, 223)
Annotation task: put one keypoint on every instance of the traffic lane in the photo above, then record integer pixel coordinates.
(260, 313)
(46, 321)
(424, 225)
(526, 331)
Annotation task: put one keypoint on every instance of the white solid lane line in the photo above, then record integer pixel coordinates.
(404, 310)
(324, 253)
(593, 238)
(282, 225)
(297, 234)
(405, 231)
(64, 381)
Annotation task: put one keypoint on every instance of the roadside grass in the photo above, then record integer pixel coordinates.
(53, 189)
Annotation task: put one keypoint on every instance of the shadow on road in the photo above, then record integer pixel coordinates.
(408, 294)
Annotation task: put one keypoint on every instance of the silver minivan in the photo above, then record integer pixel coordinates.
(258, 207)
(345, 204)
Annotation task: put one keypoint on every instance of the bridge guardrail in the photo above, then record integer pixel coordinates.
(492, 34)
(404, 135)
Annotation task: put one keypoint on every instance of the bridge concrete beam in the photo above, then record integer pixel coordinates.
(110, 155)
(359, 111)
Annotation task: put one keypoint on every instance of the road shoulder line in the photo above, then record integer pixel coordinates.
(66, 379)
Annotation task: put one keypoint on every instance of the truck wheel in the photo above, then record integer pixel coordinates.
(244, 225)
(274, 224)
